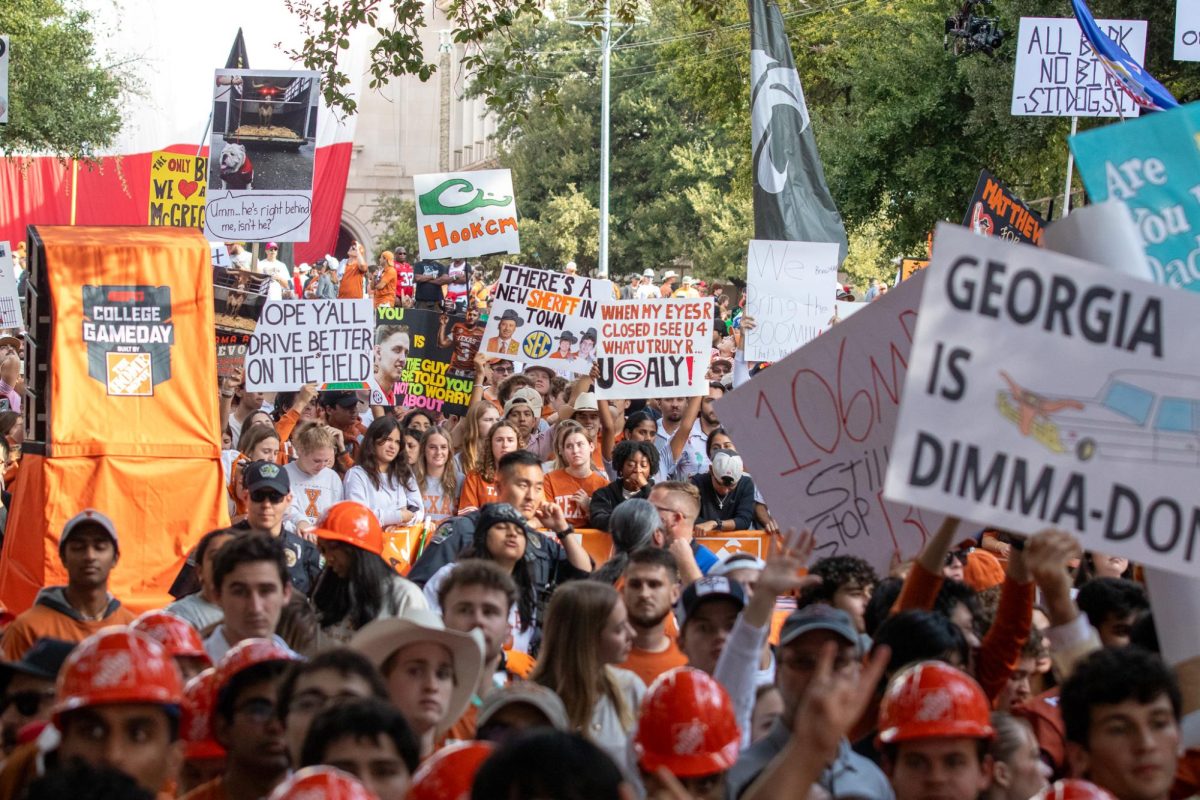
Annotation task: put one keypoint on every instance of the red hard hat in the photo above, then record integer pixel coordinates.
(195, 723)
(354, 524)
(322, 783)
(449, 773)
(250, 653)
(175, 634)
(933, 700)
(117, 665)
(687, 725)
(1073, 789)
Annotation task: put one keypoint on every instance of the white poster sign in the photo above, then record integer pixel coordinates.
(3, 80)
(10, 303)
(655, 348)
(1058, 75)
(815, 430)
(466, 214)
(1187, 30)
(790, 290)
(310, 341)
(261, 151)
(1045, 391)
(544, 317)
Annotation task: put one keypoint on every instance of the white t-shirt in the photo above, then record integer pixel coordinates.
(312, 495)
(388, 500)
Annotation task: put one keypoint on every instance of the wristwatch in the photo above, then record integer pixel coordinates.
(565, 532)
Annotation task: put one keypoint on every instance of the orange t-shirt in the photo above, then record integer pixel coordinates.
(648, 666)
(475, 493)
(353, 282)
(561, 486)
(464, 729)
(385, 290)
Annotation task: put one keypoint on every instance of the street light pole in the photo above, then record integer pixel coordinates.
(605, 59)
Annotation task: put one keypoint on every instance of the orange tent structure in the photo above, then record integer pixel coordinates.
(122, 372)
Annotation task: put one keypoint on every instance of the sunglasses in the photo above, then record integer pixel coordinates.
(28, 703)
(957, 555)
(266, 496)
(502, 370)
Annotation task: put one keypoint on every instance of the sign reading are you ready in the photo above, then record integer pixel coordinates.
(466, 214)
(1045, 391)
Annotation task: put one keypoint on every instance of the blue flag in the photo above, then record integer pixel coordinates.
(1135, 81)
(791, 199)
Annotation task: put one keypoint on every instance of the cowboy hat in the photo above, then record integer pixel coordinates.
(510, 314)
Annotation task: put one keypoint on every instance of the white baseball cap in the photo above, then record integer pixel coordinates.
(647, 273)
(669, 274)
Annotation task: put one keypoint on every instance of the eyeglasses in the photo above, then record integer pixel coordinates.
(502, 370)
(259, 710)
(267, 496)
(957, 555)
(27, 703)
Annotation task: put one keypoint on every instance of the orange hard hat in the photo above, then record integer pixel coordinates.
(449, 773)
(687, 725)
(250, 653)
(325, 783)
(117, 665)
(933, 700)
(352, 523)
(1073, 789)
(195, 719)
(174, 633)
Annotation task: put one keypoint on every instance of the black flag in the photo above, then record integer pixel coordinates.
(237, 54)
(791, 200)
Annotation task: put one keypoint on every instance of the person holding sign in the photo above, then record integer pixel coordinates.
(381, 479)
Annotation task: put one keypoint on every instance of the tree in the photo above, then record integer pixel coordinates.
(398, 219)
(60, 100)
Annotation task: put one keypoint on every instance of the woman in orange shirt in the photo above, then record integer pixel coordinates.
(470, 436)
(479, 487)
(572, 482)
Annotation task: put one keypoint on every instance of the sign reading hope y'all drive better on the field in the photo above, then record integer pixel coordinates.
(1045, 391)
(544, 317)
(815, 431)
(654, 348)
(466, 214)
(1059, 75)
(310, 341)
(1151, 166)
(790, 288)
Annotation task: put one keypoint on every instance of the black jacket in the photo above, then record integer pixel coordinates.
(738, 505)
(606, 499)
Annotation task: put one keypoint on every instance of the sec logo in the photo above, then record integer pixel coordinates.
(536, 345)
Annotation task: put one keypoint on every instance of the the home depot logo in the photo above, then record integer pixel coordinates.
(129, 336)
(130, 374)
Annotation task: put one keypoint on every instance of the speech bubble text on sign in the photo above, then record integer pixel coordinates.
(816, 430)
(1045, 391)
(258, 216)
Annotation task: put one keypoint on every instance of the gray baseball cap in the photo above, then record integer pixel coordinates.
(818, 617)
(531, 694)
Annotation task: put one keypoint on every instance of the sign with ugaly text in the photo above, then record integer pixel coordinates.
(310, 341)
(178, 185)
(655, 348)
(816, 428)
(1187, 30)
(995, 211)
(1152, 165)
(1058, 74)
(466, 214)
(423, 359)
(790, 290)
(1045, 391)
(547, 318)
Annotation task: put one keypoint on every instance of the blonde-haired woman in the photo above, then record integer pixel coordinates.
(586, 634)
(440, 482)
(470, 436)
(479, 486)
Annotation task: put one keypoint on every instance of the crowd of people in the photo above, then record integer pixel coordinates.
(495, 656)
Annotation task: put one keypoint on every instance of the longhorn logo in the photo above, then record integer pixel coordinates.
(773, 86)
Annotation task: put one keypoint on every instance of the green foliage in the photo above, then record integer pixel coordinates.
(60, 100)
(398, 219)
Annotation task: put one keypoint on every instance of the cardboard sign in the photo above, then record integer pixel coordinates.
(655, 348)
(1187, 30)
(310, 341)
(1151, 165)
(220, 255)
(1059, 75)
(3, 80)
(1045, 391)
(466, 214)
(261, 151)
(911, 266)
(790, 289)
(424, 359)
(815, 430)
(10, 301)
(995, 211)
(178, 186)
(238, 298)
(231, 350)
(548, 318)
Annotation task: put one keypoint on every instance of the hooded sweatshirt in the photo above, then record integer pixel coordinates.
(52, 616)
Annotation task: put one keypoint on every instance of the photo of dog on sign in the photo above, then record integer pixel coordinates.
(264, 130)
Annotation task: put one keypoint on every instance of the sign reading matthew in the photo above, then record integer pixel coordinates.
(466, 214)
(1045, 391)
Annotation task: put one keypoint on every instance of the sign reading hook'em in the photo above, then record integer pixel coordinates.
(466, 214)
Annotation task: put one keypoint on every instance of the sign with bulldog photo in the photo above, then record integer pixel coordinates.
(261, 150)
(547, 318)
(466, 214)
